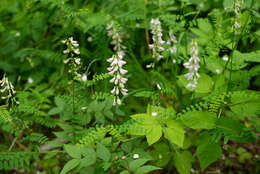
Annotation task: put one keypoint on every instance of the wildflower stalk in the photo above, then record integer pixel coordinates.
(193, 66)
(7, 90)
(116, 64)
(74, 63)
(158, 42)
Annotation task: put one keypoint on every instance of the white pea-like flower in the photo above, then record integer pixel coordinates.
(90, 39)
(237, 10)
(72, 46)
(193, 66)
(158, 42)
(77, 61)
(172, 41)
(83, 108)
(7, 89)
(72, 50)
(116, 65)
(154, 114)
(84, 77)
(30, 80)
(225, 58)
(136, 156)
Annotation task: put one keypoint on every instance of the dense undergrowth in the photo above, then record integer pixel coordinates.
(129, 86)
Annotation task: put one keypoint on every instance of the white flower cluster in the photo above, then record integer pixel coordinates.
(112, 31)
(73, 51)
(8, 87)
(237, 13)
(72, 46)
(172, 41)
(193, 66)
(158, 42)
(116, 65)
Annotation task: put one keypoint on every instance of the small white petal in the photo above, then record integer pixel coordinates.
(136, 156)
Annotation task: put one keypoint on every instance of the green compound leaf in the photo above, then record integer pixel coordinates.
(133, 165)
(70, 165)
(73, 150)
(103, 152)
(175, 132)
(146, 169)
(199, 119)
(89, 156)
(208, 153)
(144, 119)
(183, 162)
(154, 135)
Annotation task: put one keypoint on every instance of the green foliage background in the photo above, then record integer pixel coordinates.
(63, 125)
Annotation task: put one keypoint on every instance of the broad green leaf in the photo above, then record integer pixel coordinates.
(73, 150)
(208, 153)
(144, 119)
(89, 156)
(214, 65)
(205, 31)
(175, 132)
(139, 129)
(161, 154)
(183, 162)
(87, 161)
(103, 152)
(204, 85)
(154, 135)
(199, 119)
(238, 61)
(70, 165)
(146, 169)
(235, 130)
(246, 109)
(124, 172)
(133, 165)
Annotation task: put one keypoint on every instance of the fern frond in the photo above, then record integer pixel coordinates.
(14, 160)
(36, 137)
(4, 114)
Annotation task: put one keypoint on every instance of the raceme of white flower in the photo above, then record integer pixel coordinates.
(158, 42)
(113, 31)
(116, 70)
(237, 9)
(72, 51)
(116, 64)
(172, 41)
(72, 46)
(193, 66)
(7, 88)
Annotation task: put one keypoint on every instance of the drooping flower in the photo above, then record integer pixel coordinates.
(237, 10)
(116, 65)
(172, 41)
(7, 89)
(72, 51)
(225, 58)
(158, 42)
(30, 80)
(136, 156)
(193, 66)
